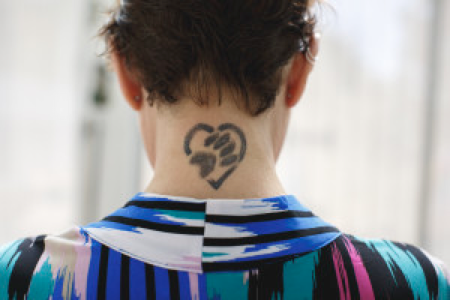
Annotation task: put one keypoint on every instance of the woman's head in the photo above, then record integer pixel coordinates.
(213, 62)
(198, 49)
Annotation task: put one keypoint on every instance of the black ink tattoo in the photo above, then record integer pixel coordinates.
(217, 152)
(206, 161)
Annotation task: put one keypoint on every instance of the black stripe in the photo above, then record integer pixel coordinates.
(150, 282)
(247, 265)
(266, 282)
(268, 238)
(198, 207)
(125, 278)
(26, 257)
(102, 272)
(327, 286)
(174, 285)
(253, 285)
(156, 226)
(258, 218)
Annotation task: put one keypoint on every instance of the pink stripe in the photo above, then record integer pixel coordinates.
(364, 284)
(341, 274)
(193, 284)
(192, 268)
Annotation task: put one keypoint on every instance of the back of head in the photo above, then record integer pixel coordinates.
(197, 49)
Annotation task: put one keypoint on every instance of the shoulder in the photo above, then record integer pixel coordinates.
(35, 267)
(394, 268)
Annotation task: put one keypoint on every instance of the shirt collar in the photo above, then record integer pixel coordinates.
(200, 235)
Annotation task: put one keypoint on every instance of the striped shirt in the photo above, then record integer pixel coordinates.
(165, 247)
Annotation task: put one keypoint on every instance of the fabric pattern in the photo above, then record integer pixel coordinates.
(163, 247)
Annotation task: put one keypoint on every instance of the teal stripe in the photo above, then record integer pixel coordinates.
(7, 257)
(213, 254)
(194, 215)
(42, 283)
(407, 263)
(299, 277)
(443, 285)
(226, 286)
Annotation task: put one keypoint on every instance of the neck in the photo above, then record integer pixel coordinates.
(212, 153)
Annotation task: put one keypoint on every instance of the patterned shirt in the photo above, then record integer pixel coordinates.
(164, 247)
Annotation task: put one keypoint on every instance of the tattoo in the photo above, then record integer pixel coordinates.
(219, 151)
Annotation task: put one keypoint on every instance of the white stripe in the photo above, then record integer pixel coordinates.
(187, 222)
(225, 206)
(247, 207)
(223, 231)
(235, 252)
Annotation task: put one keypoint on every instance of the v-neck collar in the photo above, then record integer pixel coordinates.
(200, 235)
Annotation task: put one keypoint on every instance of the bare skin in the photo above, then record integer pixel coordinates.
(203, 171)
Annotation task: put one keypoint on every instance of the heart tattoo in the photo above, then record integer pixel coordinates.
(218, 152)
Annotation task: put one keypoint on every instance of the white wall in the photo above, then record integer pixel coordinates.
(438, 237)
(40, 95)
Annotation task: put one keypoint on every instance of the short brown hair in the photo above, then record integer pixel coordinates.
(239, 44)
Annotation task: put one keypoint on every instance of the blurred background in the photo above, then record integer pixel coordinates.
(368, 148)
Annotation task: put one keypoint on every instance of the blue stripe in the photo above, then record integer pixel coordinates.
(113, 277)
(276, 226)
(61, 283)
(94, 264)
(112, 225)
(203, 291)
(137, 279)
(74, 296)
(282, 203)
(59, 286)
(162, 285)
(183, 279)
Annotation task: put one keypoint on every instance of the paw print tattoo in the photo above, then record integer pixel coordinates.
(220, 152)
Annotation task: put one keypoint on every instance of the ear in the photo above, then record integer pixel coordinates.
(298, 74)
(131, 88)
